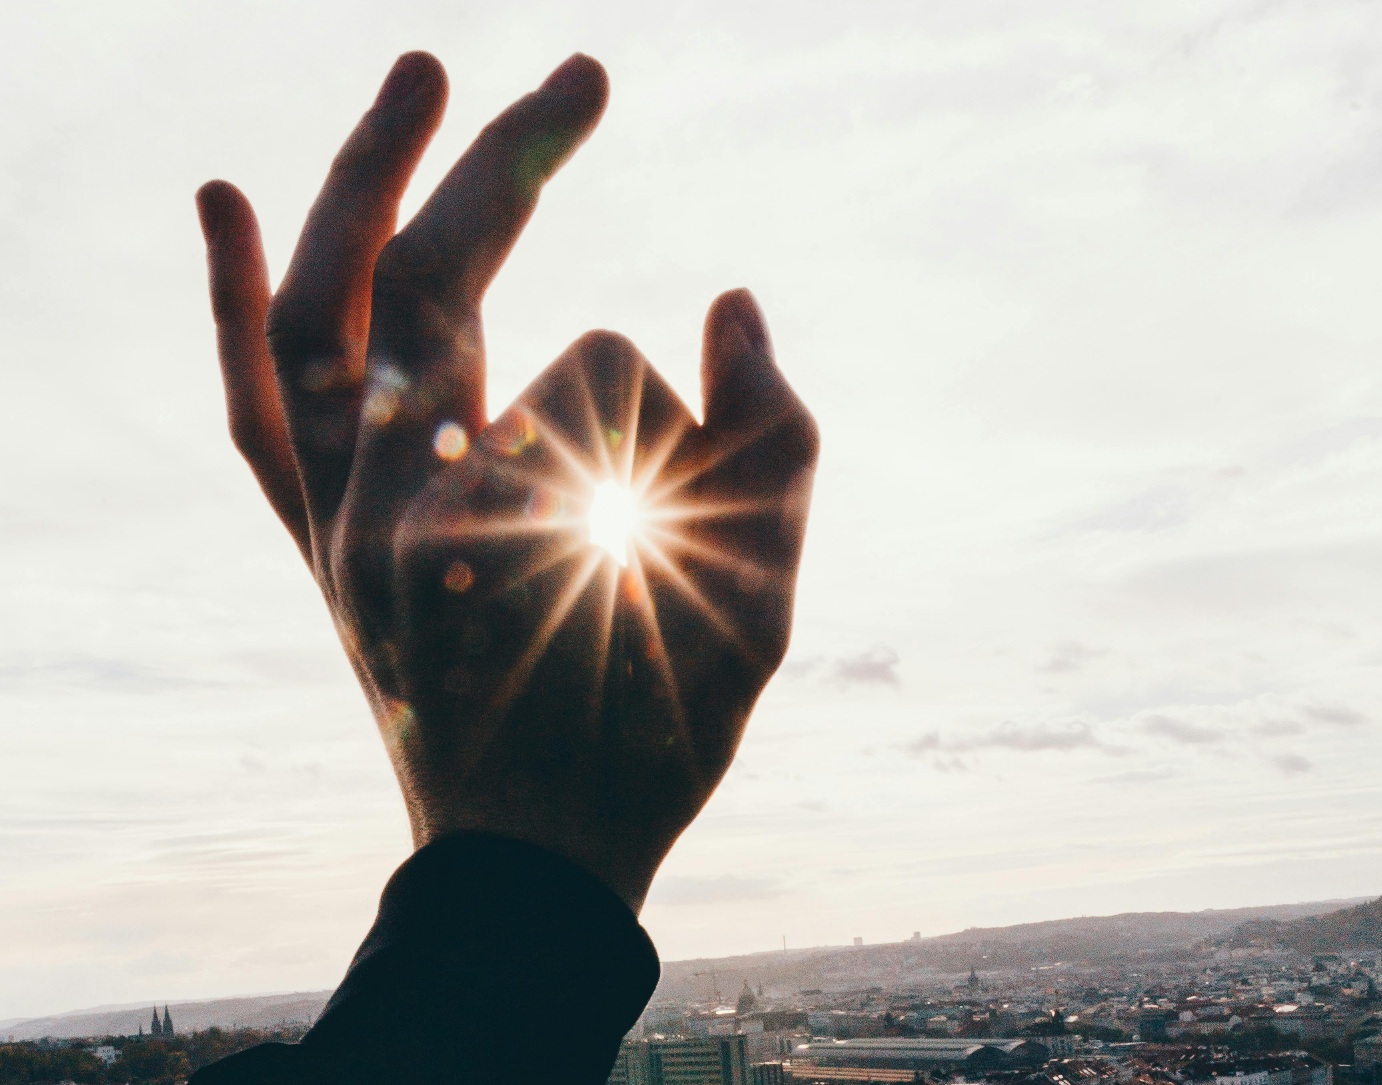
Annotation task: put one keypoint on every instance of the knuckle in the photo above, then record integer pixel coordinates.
(795, 440)
(603, 343)
(807, 433)
(605, 354)
(249, 430)
(356, 156)
(245, 437)
(296, 336)
(405, 263)
(358, 567)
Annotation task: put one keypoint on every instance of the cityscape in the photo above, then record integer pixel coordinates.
(1271, 996)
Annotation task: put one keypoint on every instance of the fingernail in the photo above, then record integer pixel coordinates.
(571, 76)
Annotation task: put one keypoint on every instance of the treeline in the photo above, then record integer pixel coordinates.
(141, 1061)
(1265, 1040)
(1349, 928)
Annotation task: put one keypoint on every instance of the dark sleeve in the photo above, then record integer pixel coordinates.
(491, 961)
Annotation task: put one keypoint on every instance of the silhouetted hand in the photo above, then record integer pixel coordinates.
(528, 681)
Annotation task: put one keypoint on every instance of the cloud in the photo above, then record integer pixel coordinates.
(1278, 728)
(1020, 738)
(1036, 737)
(1336, 714)
(1067, 657)
(109, 676)
(1181, 731)
(1154, 510)
(1291, 764)
(877, 666)
(1024, 738)
(1246, 725)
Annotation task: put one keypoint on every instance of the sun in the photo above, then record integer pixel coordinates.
(619, 488)
(613, 520)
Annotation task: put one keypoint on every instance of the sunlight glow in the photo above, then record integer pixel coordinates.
(613, 519)
(615, 488)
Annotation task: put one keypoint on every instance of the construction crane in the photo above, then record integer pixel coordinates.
(714, 982)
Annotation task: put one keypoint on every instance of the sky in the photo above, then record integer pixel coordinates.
(1084, 299)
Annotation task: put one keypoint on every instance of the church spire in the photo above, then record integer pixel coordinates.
(167, 1022)
(156, 1027)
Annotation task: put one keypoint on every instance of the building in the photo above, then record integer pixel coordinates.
(160, 1029)
(712, 1060)
(974, 1057)
(1288, 1068)
(106, 1053)
(766, 1073)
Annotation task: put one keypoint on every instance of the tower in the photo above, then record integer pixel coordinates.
(167, 1023)
(156, 1026)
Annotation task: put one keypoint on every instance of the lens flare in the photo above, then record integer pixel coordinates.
(613, 519)
(603, 474)
(450, 442)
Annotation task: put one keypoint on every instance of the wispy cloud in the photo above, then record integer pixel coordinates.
(1021, 738)
(1291, 764)
(1068, 657)
(1037, 737)
(1337, 714)
(876, 666)
(106, 675)
(1181, 731)
(1250, 726)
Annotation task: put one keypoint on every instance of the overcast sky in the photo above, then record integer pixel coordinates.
(1084, 296)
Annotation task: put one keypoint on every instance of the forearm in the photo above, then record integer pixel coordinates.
(491, 961)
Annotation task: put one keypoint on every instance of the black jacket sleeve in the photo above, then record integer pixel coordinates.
(491, 961)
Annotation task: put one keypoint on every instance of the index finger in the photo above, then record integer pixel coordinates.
(431, 277)
(318, 323)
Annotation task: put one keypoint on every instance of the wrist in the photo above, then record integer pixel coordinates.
(619, 867)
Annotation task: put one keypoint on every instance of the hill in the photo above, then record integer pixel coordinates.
(1355, 928)
(264, 1011)
(1131, 935)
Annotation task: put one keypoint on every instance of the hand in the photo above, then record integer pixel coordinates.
(526, 681)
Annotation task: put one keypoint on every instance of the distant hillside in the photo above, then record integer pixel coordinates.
(1131, 935)
(1359, 927)
(262, 1012)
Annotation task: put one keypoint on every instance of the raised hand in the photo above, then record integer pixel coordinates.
(563, 618)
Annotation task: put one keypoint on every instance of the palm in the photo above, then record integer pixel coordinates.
(525, 681)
